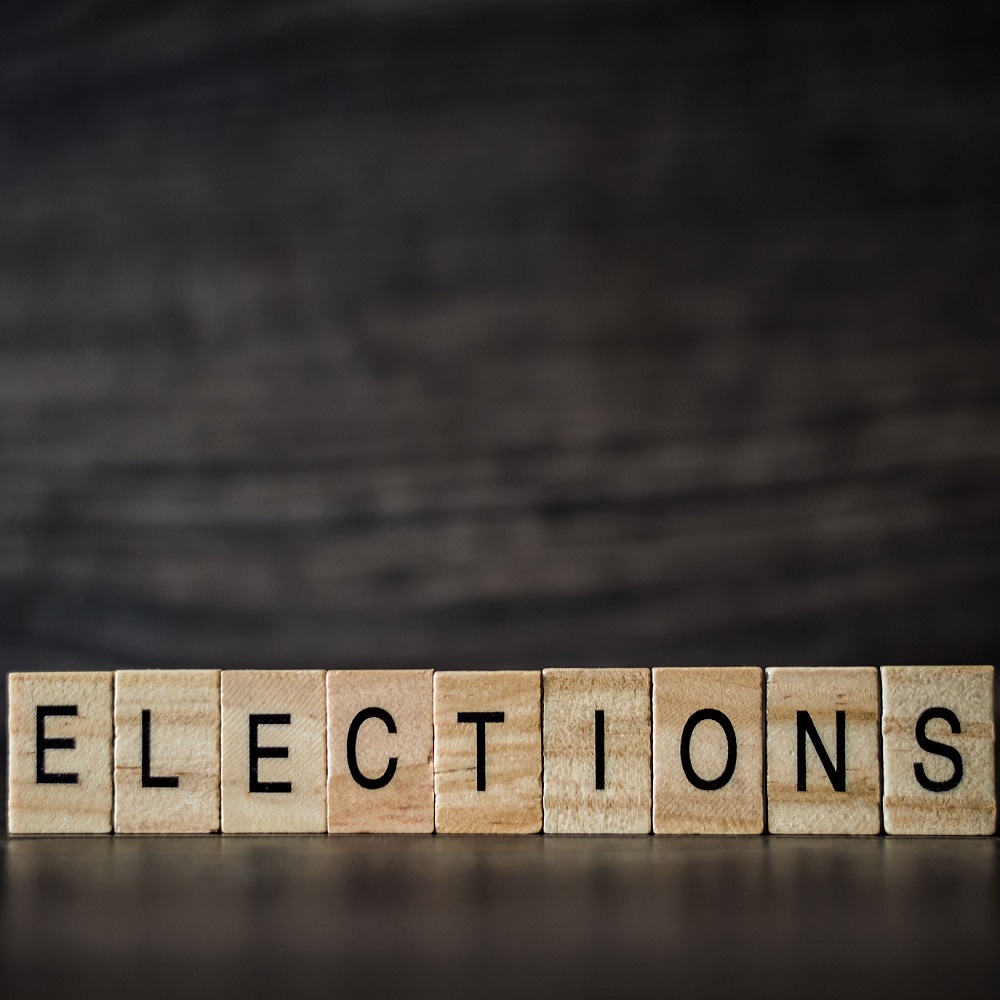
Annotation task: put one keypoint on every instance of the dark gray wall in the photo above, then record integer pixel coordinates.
(463, 335)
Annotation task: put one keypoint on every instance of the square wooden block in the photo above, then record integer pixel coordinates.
(273, 751)
(167, 751)
(59, 741)
(380, 751)
(708, 750)
(822, 750)
(488, 751)
(596, 734)
(937, 746)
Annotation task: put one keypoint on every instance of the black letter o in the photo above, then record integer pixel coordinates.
(714, 715)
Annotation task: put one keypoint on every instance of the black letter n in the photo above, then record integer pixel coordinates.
(837, 773)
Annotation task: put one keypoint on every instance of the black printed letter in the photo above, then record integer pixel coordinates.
(256, 753)
(836, 773)
(43, 743)
(352, 748)
(480, 719)
(940, 749)
(149, 780)
(599, 749)
(713, 715)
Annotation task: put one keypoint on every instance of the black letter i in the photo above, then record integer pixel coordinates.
(599, 749)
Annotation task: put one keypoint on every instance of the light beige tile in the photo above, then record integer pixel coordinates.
(68, 716)
(380, 724)
(167, 782)
(284, 712)
(946, 786)
(798, 697)
(596, 738)
(708, 750)
(500, 789)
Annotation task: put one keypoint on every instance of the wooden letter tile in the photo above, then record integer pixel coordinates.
(273, 751)
(488, 751)
(596, 732)
(708, 750)
(380, 751)
(166, 751)
(822, 750)
(60, 733)
(937, 739)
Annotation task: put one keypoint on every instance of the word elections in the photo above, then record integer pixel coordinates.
(848, 750)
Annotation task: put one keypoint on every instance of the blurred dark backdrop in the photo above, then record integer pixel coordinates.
(498, 334)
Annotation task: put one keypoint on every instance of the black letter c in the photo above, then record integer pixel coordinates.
(352, 748)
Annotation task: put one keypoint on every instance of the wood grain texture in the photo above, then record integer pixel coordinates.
(184, 744)
(737, 806)
(819, 807)
(499, 791)
(300, 697)
(406, 803)
(909, 807)
(82, 805)
(572, 802)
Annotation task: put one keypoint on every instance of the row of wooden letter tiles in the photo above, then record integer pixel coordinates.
(694, 750)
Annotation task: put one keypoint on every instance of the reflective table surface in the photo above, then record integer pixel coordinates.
(482, 917)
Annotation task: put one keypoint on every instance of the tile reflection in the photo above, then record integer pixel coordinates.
(434, 913)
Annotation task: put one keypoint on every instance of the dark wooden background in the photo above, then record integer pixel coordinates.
(465, 334)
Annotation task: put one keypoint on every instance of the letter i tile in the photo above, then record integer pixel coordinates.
(596, 732)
